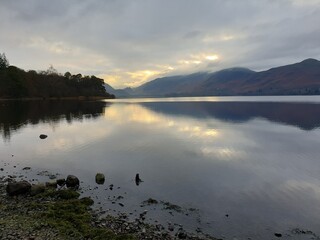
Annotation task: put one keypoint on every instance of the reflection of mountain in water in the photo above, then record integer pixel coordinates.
(16, 114)
(303, 115)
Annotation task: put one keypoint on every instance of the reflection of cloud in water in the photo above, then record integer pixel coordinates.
(78, 135)
(207, 137)
(135, 113)
(223, 153)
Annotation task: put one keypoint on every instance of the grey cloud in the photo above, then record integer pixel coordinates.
(141, 35)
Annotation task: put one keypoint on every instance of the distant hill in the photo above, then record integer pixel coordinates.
(122, 93)
(301, 78)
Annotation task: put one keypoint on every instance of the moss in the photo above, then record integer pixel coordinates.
(72, 218)
(61, 212)
(170, 206)
(87, 201)
(150, 201)
(59, 194)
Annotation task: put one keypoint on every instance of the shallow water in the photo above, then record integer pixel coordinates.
(250, 166)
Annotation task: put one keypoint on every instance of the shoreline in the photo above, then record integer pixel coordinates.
(54, 98)
(61, 213)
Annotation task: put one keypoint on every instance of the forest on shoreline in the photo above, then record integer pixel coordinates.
(18, 83)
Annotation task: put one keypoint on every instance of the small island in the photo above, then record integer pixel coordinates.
(15, 83)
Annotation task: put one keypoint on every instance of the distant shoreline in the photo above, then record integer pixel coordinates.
(54, 98)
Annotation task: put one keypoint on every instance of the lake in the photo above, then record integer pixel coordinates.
(237, 167)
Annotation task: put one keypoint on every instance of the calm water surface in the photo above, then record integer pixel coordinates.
(255, 159)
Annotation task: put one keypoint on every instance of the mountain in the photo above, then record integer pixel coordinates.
(301, 78)
(224, 82)
(122, 93)
(175, 85)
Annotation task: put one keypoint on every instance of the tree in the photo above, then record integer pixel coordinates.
(67, 75)
(51, 71)
(4, 63)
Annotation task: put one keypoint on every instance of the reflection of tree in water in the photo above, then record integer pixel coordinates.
(17, 114)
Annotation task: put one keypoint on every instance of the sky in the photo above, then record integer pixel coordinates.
(129, 42)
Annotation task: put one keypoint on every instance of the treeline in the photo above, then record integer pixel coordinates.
(17, 83)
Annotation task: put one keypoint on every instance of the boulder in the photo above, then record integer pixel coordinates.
(279, 235)
(100, 179)
(37, 189)
(17, 188)
(72, 181)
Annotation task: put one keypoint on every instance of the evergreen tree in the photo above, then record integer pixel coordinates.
(4, 63)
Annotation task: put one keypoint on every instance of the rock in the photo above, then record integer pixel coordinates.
(16, 188)
(182, 235)
(61, 182)
(52, 184)
(43, 136)
(72, 181)
(26, 168)
(137, 179)
(37, 189)
(278, 235)
(1, 169)
(150, 201)
(100, 179)
(52, 176)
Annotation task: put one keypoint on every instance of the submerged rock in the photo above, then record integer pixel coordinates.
(52, 176)
(72, 181)
(150, 201)
(100, 178)
(43, 136)
(17, 188)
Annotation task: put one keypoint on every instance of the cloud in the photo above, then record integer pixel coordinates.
(130, 39)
